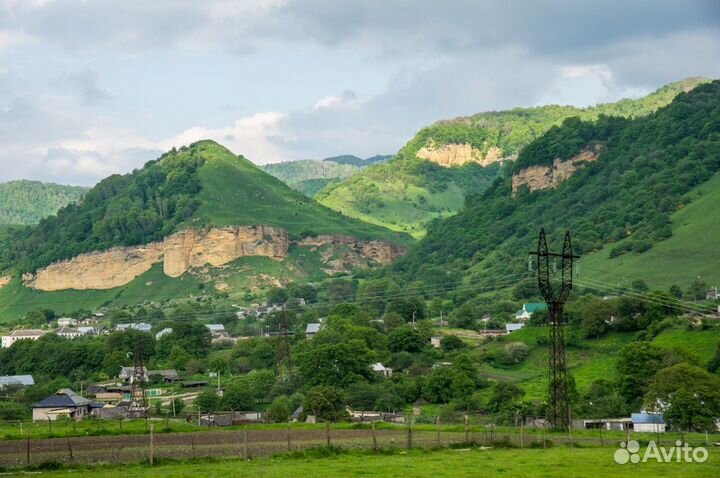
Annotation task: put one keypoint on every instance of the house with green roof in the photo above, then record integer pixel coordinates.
(529, 309)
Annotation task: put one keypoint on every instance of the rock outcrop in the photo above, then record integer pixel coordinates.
(178, 252)
(344, 253)
(5, 280)
(193, 249)
(545, 177)
(449, 155)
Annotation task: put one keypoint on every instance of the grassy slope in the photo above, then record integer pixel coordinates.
(154, 285)
(511, 130)
(554, 462)
(591, 361)
(690, 253)
(235, 192)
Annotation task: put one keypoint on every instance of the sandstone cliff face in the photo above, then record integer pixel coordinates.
(178, 252)
(449, 155)
(544, 177)
(195, 249)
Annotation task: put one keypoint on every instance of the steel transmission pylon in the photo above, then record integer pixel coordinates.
(558, 412)
(138, 400)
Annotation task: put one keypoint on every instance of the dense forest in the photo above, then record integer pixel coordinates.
(27, 202)
(647, 168)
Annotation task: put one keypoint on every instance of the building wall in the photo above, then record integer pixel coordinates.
(649, 427)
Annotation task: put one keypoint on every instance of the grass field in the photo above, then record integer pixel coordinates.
(555, 462)
(690, 253)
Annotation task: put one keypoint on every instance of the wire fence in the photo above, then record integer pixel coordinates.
(253, 442)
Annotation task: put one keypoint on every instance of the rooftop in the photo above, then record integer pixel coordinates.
(16, 380)
(27, 333)
(64, 398)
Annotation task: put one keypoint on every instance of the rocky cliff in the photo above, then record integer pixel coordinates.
(194, 249)
(344, 253)
(178, 253)
(449, 155)
(545, 177)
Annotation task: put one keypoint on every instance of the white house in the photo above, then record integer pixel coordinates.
(215, 328)
(435, 342)
(648, 422)
(67, 322)
(68, 332)
(382, 370)
(16, 335)
(64, 403)
(513, 327)
(163, 332)
(23, 380)
(87, 330)
(312, 329)
(127, 374)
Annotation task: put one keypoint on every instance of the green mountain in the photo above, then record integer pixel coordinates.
(26, 202)
(406, 194)
(250, 225)
(638, 195)
(309, 176)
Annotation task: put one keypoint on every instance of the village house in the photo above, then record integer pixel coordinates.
(16, 335)
(167, 376)
(68, 333)
(63, 403)
(127, 374)
(513, 327)
(66, 322)
(142, 327)
(382, 370)
(87, 330)
(312, 329)
(648, 422)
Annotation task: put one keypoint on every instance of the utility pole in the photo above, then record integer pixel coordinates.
(285, 342)
(558, 413)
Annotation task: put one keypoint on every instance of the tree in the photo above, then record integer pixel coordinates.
(688, 396)
(445, 384)
(392, 321)
(515, 352)
(237, 396)
(193, 337)
(326, 403)
(714, 363)
(637, 364)
(280, 409)
(676, 291)
(595, 315)
(207, 401)
(503, 395)
(406, 338)
(698, 289)
(276, 295)
(335, 363)
(408, 308)
(451, 343)
(38, 317)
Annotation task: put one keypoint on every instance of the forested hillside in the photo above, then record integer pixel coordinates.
(623, 201)
(197, 186)
(409, 202)
(309, 176)
(26, 202)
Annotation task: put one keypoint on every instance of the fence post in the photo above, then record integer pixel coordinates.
(467, 429)
(67, 437)
(522, 428)
(327, 433)
(372, 427)
(27, 449)
(288, 436)
(245, 448)
(437, 430)
(409, 438)
(602, 442)
(192, 445)
(544, 431)
(49, 425)
(152, 445)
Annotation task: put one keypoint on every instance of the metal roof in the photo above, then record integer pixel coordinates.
(312, 328)
(16, 380)
(64, 398)
(643, 417)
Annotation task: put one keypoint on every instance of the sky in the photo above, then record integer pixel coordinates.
(92, 88)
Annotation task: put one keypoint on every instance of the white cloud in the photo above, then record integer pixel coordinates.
(11, 38)
(249, 136)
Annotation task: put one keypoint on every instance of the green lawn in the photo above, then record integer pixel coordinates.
(690, 253)
(555, 462)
